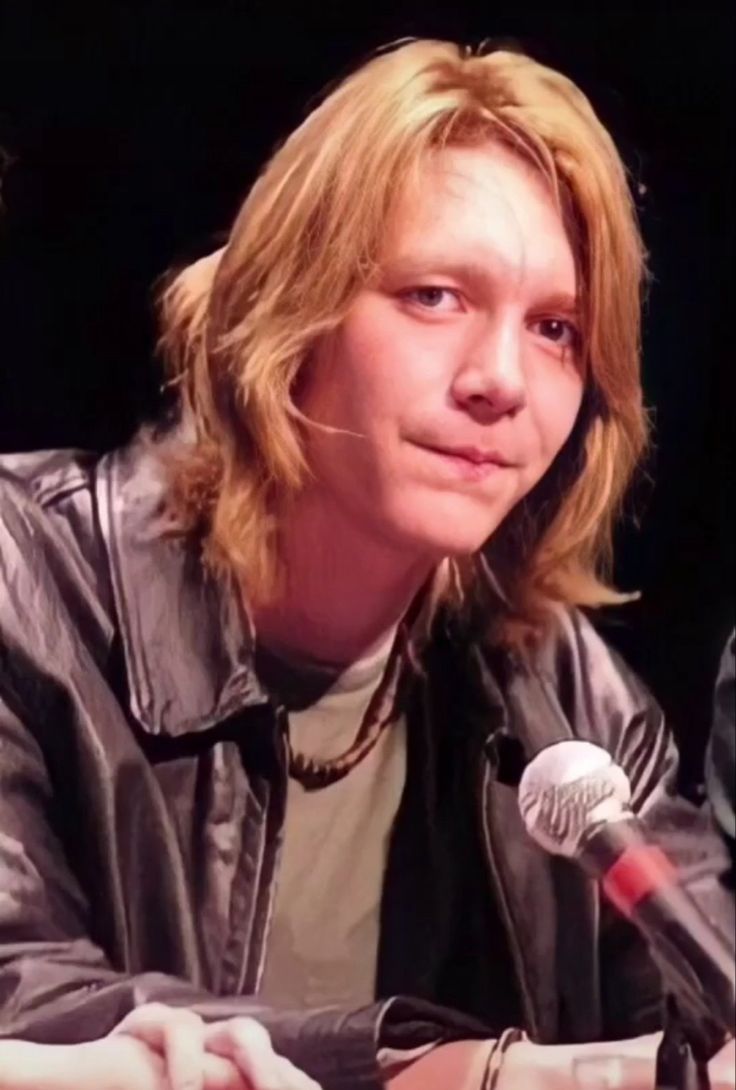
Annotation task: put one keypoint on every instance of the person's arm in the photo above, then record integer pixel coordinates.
(104, 1065)
(122, 1063)
(620, 1065)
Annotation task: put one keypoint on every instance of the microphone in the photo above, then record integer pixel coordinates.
(574, 801)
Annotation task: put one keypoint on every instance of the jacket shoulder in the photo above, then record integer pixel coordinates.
(48, 521)
(604, 701)
(47, 476)
(580, 662)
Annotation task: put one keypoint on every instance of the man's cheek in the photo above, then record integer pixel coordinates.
(554, 424)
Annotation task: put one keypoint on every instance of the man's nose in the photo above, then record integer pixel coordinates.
(491, 381)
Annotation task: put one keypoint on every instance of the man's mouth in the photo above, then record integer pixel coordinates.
(469, 463)
(475, 455)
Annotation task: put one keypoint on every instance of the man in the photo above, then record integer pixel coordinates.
(268, 678)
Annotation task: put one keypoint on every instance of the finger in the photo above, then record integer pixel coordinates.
(221, 1074)
(145, 1023)
(294, 1078)
(247, 1043)
(177, 1034)
(183, 1048)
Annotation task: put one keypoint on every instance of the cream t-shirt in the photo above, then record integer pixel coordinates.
(323, 940)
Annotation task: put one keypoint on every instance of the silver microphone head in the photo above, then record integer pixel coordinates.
(567, 790)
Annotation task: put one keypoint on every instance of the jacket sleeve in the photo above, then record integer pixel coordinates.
(635, 733)
(720, 764)
(57, 985)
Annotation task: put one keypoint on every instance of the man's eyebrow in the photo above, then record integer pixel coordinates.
(437, 265)
(562, 302)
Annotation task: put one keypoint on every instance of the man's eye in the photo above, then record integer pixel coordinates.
(433, 298)
(557, 330)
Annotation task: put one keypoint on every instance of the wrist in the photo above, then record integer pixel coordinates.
(527, 1066)
(26, 1065)
(501, 1046)
(618, 1065)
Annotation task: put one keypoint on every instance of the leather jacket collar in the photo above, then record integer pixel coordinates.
(186, 617)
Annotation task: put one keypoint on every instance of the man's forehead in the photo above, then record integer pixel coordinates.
(454, 172)
(462, 217)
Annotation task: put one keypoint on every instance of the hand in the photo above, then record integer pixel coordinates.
(186, 1045)
(113, 1063)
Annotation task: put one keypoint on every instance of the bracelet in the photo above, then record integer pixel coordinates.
(492, 1074)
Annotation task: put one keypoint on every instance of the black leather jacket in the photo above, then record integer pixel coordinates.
(720, 766)
(142, 786)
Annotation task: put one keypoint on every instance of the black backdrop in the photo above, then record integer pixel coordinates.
(134, 130)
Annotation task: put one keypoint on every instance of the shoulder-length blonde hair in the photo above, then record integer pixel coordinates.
(238, 325)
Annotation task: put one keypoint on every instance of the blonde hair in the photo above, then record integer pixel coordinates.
(237, 325)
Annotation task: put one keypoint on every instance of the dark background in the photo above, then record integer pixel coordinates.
(134, 131)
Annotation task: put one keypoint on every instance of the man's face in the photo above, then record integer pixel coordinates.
(455, 379)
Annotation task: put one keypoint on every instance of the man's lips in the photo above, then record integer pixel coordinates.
(473, 455)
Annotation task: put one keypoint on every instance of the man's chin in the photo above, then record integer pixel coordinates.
(436, 524)
(447, 540)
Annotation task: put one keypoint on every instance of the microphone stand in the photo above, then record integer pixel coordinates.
(679, 1067)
